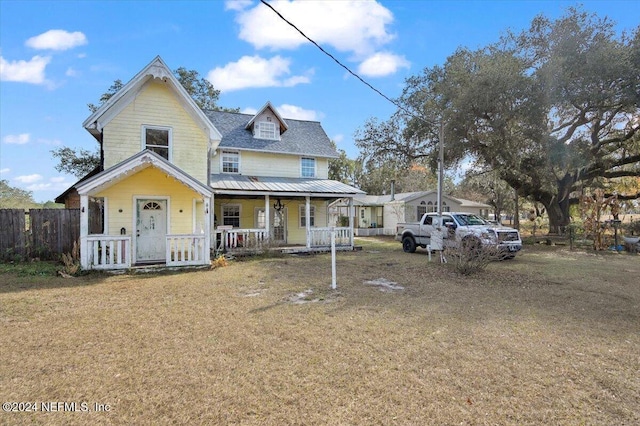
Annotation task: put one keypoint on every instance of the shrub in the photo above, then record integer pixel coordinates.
(219, 262)
(468, 259)
(71, 261)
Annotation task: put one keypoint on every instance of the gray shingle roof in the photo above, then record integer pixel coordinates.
(228, 183)
(302, 137)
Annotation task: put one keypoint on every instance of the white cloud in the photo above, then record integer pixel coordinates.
(71, 72)
(338, 138)
(20, 139)
(348, 26)
(54, 184)
(5, 170)
(382, 64)
(51, 142)
(290, 111)
(57, 40)
(237, 5)
(24, 71)
(255, 71)
(297, 113)
(29, 178)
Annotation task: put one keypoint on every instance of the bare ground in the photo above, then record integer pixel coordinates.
(550, 337)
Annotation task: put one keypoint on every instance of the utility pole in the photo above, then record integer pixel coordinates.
(440, 167)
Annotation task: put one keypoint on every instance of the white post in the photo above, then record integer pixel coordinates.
(207, 230)
(84, 232)
(267, 214)
(351, 214)
(333, 259)
(307, 207)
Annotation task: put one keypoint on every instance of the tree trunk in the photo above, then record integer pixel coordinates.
(559, 217)
(516, 214)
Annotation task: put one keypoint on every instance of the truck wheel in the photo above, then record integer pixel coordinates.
(408, 245)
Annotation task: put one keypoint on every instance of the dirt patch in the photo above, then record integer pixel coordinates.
(384, 285)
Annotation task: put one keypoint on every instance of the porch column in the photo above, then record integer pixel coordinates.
(351, 214)
(307, 209)
(84, 231)
(267, 216)
(208, 202)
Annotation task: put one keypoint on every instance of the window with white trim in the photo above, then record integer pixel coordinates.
(433, 207)
(158, 140)
(266, 130)
(230, 162)
(303, 216)
(422, 209)
(308, 167)
(231, 215)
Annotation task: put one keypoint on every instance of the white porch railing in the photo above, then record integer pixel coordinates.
(186, 249)
(321, 237)
(240, 238)
(256, 239)
(107, 252)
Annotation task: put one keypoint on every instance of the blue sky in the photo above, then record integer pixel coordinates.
(57, 56)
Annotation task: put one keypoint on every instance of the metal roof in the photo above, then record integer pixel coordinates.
(381, 200)
(300, 138)
(267, 185)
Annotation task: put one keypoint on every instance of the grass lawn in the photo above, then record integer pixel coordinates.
(552, 337)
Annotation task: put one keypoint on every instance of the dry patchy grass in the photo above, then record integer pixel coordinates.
(551, 337)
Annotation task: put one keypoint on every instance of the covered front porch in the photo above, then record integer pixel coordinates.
(144, 211)
(259, 213)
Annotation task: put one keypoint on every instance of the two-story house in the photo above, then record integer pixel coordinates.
(177, 182)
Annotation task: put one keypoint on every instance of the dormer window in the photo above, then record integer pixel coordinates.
(158, 140)
(266, 130)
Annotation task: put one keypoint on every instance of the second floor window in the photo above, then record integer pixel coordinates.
(308, 167)
(230, 162)
(266, 130)
(158, 140)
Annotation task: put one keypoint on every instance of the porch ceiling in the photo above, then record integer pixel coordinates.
(267, 185)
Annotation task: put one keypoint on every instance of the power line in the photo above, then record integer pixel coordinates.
(402, 107)
(334, 58)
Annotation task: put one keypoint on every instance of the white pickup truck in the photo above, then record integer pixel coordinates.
(461, 229)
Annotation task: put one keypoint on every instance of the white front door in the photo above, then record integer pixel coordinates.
(151, 230)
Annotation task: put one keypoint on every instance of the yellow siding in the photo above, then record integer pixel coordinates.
(266, 164)
(153, 183)
(156, 105)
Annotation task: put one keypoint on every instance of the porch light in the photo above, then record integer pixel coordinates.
(278, 205)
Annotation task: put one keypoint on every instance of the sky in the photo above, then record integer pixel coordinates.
(58, 56)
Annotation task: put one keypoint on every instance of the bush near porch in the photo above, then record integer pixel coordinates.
(550, 337)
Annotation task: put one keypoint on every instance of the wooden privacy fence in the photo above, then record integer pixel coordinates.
(43, 233)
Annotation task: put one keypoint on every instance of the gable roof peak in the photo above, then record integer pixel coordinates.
(156, 69)
(268, 106)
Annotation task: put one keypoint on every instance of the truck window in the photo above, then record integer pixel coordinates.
(428, 220)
